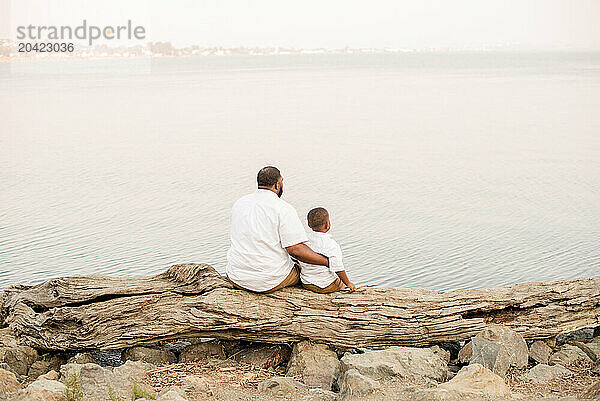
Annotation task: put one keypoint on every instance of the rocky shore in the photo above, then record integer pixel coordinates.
(496, 364)
(499, 343)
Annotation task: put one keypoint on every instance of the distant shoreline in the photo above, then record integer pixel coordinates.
(11, 59)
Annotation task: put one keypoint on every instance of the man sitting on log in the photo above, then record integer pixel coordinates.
(265, 231)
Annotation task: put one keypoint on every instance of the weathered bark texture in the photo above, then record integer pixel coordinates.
(191, 300)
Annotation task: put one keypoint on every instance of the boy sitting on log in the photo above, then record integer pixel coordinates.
(322, 279)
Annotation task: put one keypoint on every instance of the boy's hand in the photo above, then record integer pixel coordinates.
(344, 277)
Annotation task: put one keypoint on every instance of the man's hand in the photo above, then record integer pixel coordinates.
(351, 287)
(303, 253)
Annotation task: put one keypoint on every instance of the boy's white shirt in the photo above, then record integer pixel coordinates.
(322, 276)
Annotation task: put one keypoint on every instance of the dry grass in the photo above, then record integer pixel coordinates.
(573, 385)
(240, 376)
(213, 371)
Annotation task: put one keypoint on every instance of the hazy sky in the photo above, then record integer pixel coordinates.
(331, 23)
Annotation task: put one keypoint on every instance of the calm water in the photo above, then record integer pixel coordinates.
(443, 171)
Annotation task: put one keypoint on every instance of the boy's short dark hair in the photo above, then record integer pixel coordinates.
(317, 217)
(268, 176)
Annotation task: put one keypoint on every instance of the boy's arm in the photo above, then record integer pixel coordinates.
(344, 277)
(336, 265)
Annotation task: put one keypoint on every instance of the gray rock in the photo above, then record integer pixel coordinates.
(491, 355)
(567, 355)
(497, 348)
(591, 349)
(150, 355)
(540, 352)
(97, 382)
(45, 364)
(442, 353)
(280, 386)
(264, 356)
(352, 383)
(42, 390)
(132, 371)
(404, 362)
(475, 378)
(454, 368)
(586, 333)
(202, 351)
(38, 368)
(111, 357)
(465, 353)
(18, 358)
(8, 382)
(513, 342)
(51, 375)
(94, 381)
(175, 346)
(81, 358)
(314, 364)
(542, 373)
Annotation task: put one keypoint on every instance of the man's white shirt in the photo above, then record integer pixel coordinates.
(322, 276)
(262, 226)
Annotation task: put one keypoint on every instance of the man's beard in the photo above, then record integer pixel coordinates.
(280, 191)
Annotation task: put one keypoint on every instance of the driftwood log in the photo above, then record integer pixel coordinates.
(192, 300)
